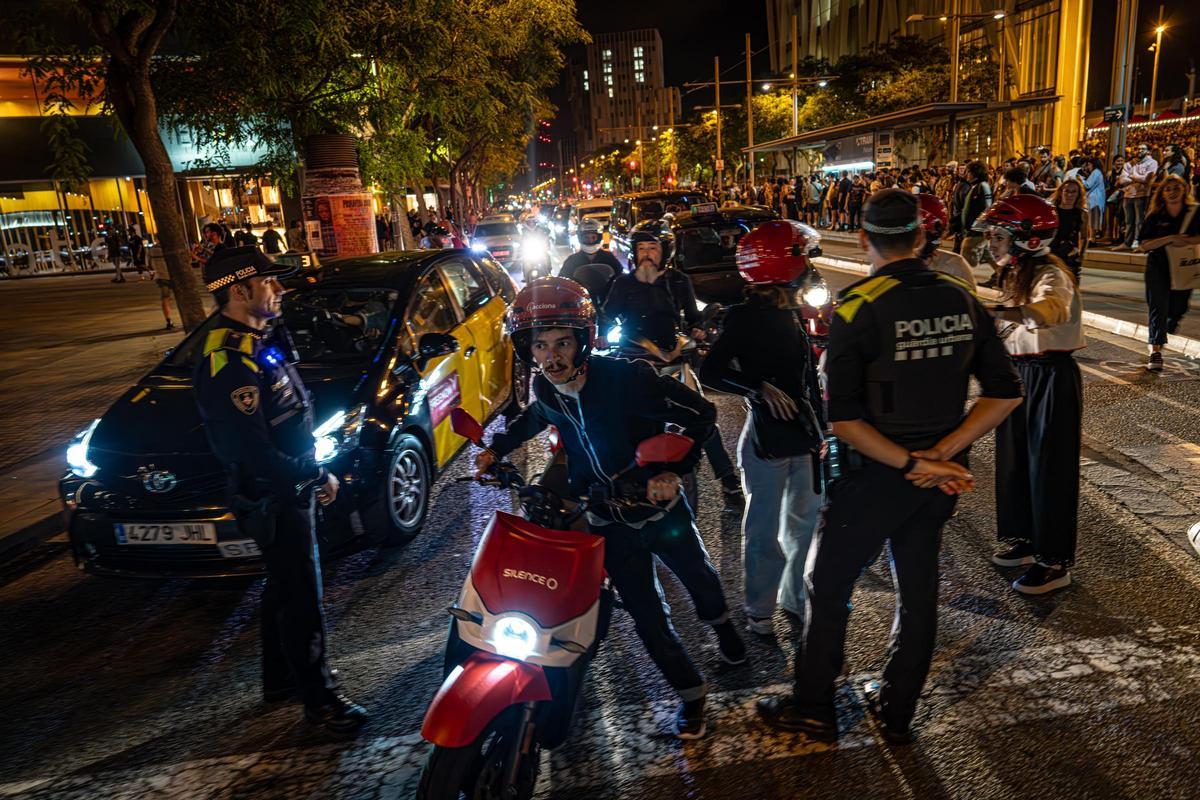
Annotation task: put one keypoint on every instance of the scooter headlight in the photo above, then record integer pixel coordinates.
(532, 249)
(816, 295)
(514, 637)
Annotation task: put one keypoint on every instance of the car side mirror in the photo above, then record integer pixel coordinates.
(664, 448)
(814, 251)
(465, 425)
(435, 345)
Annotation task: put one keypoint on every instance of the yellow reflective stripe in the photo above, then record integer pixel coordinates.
(214, 340)
(246, 345)
(217, 361)
(868, 292)
(250, 363)
(957, 280)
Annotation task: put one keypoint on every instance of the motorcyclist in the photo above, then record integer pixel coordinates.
(535, 247)
(602, 408)
(935, 221)
(649, 302)
(591, 265)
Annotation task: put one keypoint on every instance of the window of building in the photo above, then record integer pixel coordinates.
(607, 55)
(638, 51)
(586, 86)
(610, 92)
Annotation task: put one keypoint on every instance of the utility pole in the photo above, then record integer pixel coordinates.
(1001, 90)
(795, 76)
(718, 173)
(749, 111)
(1124, 46)
(1158, 32)
(641, 161)
(955, 29)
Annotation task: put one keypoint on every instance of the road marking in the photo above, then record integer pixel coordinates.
(1167, 401)
(969, 694)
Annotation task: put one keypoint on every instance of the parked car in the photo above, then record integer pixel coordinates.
(386, 344)
(499, 238)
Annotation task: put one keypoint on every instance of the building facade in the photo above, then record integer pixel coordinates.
(1042, 45)
(617, 91)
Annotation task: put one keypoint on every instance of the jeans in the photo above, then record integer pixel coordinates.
(863, 510)
(777, 528)
(629, 558)
(1135, 212)
(1166, 305)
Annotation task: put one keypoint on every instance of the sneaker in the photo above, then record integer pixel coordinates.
(783, 714)
(170, 325)
(762, 626)
(339, 714)
(1018, 555)
(1042, 578)
(894, 734)
(690, 721)
(734, 499)
(733, 649)
(1156, 362)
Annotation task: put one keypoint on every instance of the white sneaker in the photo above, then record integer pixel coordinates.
(763, 626)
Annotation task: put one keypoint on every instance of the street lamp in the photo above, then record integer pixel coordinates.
(766, 87)
(1158, 34)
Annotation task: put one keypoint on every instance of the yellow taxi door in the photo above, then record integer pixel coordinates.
(448, 381)
(483, 310)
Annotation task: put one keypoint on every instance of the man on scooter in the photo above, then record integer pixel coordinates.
(602, 408)
(649, 302)
(592, 266)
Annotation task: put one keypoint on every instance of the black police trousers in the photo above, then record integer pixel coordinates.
(863, 510)
(293, 621)
(1037, 460)
(629, 558)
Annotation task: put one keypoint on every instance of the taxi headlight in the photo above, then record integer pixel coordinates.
(514, 637)
(816, 295)
(77, 452)
(337, 434)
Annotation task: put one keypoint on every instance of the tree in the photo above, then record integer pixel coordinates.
(115, 73)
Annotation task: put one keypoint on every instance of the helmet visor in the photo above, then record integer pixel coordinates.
(590, 237)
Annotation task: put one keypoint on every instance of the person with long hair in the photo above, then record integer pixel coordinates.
(1092, 175)
(764, 355)
(1071, 238)
(1171, 219)
(1040, 319)
(1115, 205)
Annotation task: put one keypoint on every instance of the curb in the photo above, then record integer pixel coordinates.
(1182, 345)
(15, 543)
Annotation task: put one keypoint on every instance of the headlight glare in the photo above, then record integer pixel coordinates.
(816, 295)
(514, 637)
(337, 434)
(77, 452)
(478, 247)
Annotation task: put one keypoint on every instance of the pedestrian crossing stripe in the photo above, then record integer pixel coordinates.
(868, 291)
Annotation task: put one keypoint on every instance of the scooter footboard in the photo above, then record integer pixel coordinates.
(475, 692)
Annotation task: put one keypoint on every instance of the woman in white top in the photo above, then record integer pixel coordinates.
(1037, 447)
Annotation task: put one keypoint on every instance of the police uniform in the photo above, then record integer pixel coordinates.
(258, 419)
(902, 346)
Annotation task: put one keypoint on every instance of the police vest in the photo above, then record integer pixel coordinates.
(924, 335)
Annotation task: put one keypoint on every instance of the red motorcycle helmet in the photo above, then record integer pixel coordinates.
(551, 303)
(1029, 219)
(934, 218)
(775, 252)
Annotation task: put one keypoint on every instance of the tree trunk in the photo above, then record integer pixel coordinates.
(137, 110)
(400, 222)
(422, 206)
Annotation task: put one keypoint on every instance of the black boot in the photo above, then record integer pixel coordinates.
(339, 714)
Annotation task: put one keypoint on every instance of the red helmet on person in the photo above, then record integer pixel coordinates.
(934, 218)
(551, 303)
(1030, 220)
(775, 252)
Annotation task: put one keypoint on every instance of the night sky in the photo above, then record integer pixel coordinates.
(696, 30)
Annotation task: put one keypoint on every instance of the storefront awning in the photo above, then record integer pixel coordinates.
(904, 119)
(26, 156)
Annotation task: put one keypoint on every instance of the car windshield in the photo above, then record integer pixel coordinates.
(496, 229)
(706, 245)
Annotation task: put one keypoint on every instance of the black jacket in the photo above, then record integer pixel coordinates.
(759, 342)
(256, 412)
(621, 404)
(651, 310)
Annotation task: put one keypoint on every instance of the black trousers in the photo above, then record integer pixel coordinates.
(293, 621)
(629, 556)
(1037, 459)
(863, 510)
(1167, 306)
(718, 458)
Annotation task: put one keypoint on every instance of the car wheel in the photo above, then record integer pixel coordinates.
(518, 401)
(399, 511)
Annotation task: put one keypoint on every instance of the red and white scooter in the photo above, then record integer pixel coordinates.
(527, 623)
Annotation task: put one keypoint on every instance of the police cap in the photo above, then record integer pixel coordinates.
(891, 212)
(236, 264)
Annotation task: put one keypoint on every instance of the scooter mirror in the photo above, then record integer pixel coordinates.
(665, 448)
(465, 425)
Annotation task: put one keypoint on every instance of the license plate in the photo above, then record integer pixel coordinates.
(500, 253)
(239, 548)
(165, 532)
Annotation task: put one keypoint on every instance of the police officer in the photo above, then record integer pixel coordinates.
(901, 349)
(258, 419)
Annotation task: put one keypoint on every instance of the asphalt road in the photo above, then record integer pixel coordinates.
(149, 689)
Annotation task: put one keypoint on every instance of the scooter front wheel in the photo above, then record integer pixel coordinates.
(482, 770)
